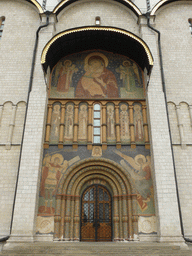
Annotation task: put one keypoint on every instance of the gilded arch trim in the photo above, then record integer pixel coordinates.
(34, 2)
(162, 3)
(128, 3)
(94, 28)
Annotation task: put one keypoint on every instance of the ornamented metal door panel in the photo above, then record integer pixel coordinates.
(96, 222)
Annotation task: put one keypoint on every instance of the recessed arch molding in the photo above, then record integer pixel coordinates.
(71, 186)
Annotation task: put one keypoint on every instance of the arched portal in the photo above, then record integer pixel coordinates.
(76, 182)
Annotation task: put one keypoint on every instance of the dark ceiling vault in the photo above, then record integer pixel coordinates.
(110, 41)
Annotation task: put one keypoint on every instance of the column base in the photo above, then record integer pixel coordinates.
(60, 145)
(133, 145)
(176, 240)
(75, 146)
(118, 145)
(21, 239)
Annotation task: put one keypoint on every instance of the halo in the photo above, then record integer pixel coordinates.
(124, 105)
(96, 54)
(127, 61)
(56, 107)
(57, 156)
(110, 107)
(67, 61)
(137, 107)
(138, 157)
(83, 106)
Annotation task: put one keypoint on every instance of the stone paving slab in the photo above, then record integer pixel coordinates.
(93, 249)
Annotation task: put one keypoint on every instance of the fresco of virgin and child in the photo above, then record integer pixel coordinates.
(96, 75)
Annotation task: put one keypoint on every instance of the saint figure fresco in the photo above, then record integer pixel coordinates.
(82, 134)
(65, 76)
(124, 123)
(68, 134)
(98, 81)
(138, 121)
(55, 123)
(132, 82)
(110, 123)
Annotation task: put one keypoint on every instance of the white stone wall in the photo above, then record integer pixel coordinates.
(176, 40)
(9, 166)
(141, 4)
(83, 14)
(24, 222)
(16, 47)
(168, 224)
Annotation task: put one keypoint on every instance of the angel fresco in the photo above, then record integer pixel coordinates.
(139, 169)
(52, 170)
(98, 81)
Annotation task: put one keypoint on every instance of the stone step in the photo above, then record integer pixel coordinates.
(93, 249)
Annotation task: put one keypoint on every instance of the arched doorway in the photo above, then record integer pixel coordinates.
(96, 214)
(113, 180)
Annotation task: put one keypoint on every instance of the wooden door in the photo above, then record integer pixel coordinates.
(96, 222)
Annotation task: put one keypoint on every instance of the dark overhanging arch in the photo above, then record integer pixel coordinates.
(111, 39)
(127, 3)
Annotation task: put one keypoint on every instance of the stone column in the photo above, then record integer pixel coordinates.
(169, 228)
(77, 219)
(62, 125)
(75, 130)
(104, 127)
(117, 127)
(116, 218)
(90, 127)
(48, 126)
(131, 124)
(145, 127)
